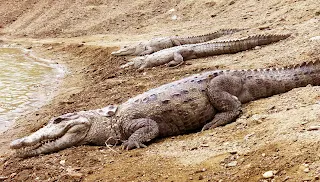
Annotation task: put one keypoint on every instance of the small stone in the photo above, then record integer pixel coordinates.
(171, 10)
(306, 170)
(231, 2)
(201, 177)
(263, 154)
(204, 145)
(316, 38)
(144, 73)
(268, 174)
(190, 178)
(313, 128)
(194, 148)
(174, 17)
(3, 177)
(232, 164)
(12, 175)
(62, 162)
(75, 174)
(233, 152)
(316, 177)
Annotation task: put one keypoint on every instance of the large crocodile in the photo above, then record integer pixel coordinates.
(177, 55)
(205, 100)
(157, 44)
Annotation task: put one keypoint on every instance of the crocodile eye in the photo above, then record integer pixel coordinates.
(57, 120)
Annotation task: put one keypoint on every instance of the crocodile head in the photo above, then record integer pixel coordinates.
(71, 129)
(130, 50)
(125, 50)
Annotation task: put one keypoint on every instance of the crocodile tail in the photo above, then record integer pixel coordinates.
(206, 37)
(234, 46)
(271, 81)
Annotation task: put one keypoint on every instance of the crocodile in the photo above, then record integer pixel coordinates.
(199, 102)
(177, 55)
(157, 44)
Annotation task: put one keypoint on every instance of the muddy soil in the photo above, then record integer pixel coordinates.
(272, 134)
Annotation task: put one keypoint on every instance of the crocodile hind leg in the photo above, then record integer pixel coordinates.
(177, 60)
(222, 92)
(141, 130)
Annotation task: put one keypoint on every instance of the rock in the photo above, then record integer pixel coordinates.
(232, 164)
(174, 17)
(268, 174)
(73, 173)
(306, 170)
(204, 145)
(3, 177)
(313, 128)
(12, 175)
(316, 38)
(62, 162)
(316, 177)
(171, 10)
(263, 154)
(200, 171)
(233, 152)
(231, 2)
(201, 177)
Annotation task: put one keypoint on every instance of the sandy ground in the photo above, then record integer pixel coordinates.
(272, 134)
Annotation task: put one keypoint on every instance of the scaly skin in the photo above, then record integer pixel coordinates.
(177, 55)
(205, 100)
(157, 44)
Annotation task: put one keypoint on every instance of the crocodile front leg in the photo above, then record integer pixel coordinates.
(222, 92)
(148, 50)
(180, 56)
(141, 130)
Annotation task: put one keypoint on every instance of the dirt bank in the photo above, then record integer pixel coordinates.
(272, 133)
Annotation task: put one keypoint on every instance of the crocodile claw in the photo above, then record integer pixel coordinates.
(129, 64)
(128, 145)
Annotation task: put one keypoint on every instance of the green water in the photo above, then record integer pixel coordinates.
(24, 83)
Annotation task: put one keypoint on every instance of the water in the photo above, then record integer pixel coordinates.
(26, 83)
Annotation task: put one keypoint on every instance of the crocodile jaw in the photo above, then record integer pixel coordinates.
(125, 50)
(60, 133)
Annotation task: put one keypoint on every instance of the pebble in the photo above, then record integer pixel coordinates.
(201, 177)
(306, 170)
(62, 162)
(268, 174)
(3, 177)
(204, 145)
(263, 154)
(316, 38)
(171, 10)
(233, 152)
(232, 164)
(312, 128)
(174, 17)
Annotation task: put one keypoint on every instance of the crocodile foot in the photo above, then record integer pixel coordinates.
(128, 145)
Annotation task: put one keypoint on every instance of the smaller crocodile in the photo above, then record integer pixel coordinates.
(157, 44)
(177, 55)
